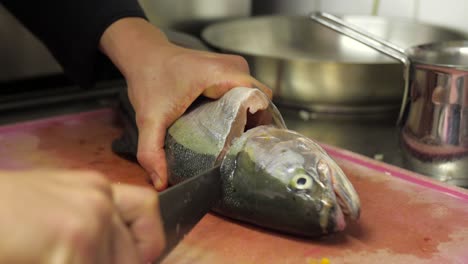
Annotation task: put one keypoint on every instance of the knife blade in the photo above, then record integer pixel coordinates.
(183, 205)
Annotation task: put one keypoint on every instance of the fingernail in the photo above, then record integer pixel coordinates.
(156, 180)
(159, 184)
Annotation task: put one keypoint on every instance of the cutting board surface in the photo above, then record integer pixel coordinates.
(406, 218)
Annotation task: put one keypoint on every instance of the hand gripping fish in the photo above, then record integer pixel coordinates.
(271, 176)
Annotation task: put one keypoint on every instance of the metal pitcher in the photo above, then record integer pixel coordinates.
(434, 112)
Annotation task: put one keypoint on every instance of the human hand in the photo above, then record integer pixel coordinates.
(76, 217)
(163, 80)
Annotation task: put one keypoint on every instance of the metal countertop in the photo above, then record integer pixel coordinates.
(373, 137)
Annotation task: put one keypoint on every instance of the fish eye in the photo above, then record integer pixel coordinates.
(301, 182)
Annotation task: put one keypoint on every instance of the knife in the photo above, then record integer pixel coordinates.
(183, 205)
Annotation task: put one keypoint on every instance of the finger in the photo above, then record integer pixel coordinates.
(217, 90)
(263, 88)
(124, 249)
(151, 154)
(139, 209)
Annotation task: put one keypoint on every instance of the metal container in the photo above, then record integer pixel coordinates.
(434, 135)
(311, 67)
(190, 16)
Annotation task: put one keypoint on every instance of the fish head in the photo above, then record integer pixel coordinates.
(280, 179)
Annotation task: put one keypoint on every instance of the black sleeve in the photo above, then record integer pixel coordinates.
(71, 29)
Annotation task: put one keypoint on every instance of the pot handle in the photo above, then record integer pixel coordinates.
(366, 38)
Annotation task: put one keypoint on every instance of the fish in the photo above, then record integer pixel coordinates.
(271, 176)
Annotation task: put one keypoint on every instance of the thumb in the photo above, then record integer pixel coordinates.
(150, 154)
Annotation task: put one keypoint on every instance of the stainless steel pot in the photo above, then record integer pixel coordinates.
(190, 16)
(435, 131)
(310, 66)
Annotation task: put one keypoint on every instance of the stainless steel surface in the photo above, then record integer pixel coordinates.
(375, 137)
(191, 16)
(448, 54)
(375, 42)
(183, 205)
(443, 170)
(312, 67)
(434, 135)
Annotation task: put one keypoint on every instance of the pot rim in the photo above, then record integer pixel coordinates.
(446, 54)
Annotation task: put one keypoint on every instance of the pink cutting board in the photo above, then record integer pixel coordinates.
(406, 218)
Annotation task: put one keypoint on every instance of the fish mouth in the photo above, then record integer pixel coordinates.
(346, 197)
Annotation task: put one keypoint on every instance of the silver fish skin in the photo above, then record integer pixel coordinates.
(271, 176)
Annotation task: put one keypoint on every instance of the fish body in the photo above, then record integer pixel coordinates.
(271, 176)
